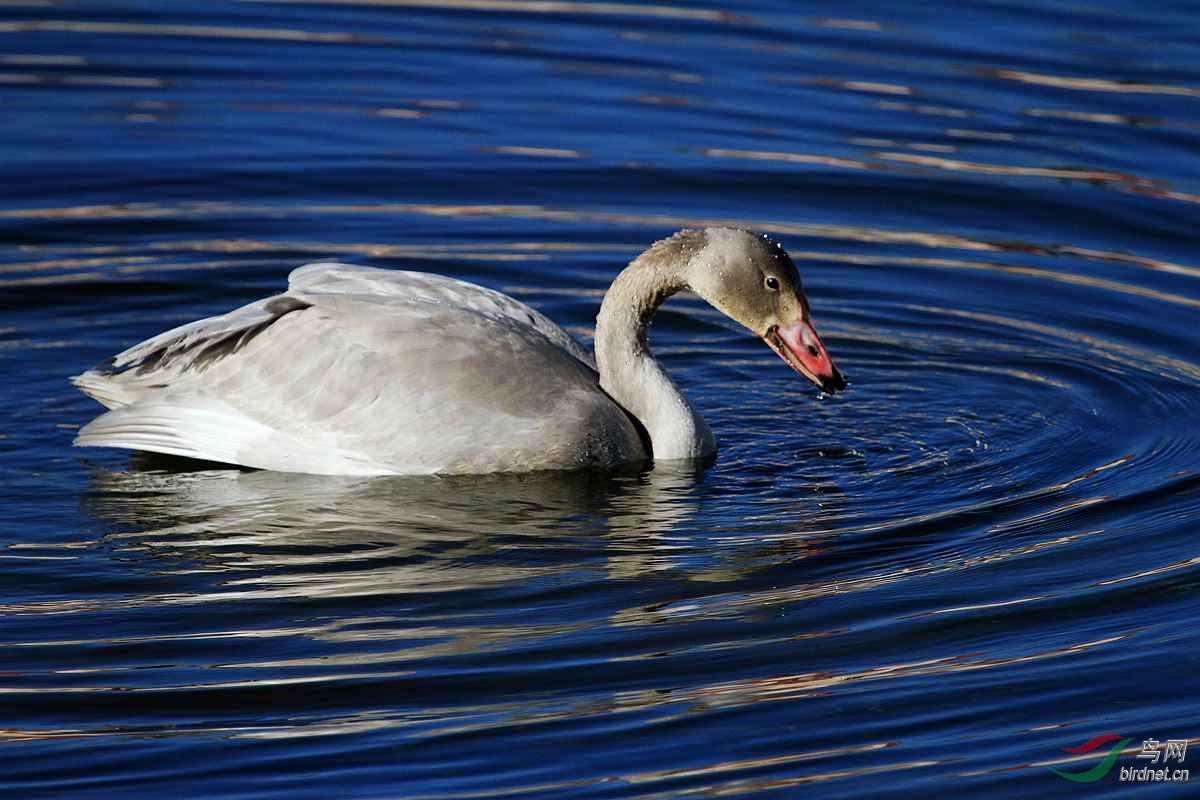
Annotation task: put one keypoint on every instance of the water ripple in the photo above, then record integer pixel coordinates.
(948, 572)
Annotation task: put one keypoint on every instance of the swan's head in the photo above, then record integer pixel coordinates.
(752, 280)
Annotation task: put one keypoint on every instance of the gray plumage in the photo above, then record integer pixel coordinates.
(364, 371)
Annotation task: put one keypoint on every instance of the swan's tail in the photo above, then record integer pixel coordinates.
(104, 390)
(210, 430)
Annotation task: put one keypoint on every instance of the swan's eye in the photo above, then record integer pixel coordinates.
(772, 283)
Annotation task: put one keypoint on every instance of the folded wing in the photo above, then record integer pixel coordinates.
(363, 371)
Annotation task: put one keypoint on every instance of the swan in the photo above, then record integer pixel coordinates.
(364, 371)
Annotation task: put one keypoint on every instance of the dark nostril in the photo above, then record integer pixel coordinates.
(813, 351)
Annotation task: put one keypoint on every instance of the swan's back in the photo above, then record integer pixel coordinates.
(356, 370)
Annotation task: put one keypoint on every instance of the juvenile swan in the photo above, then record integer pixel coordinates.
(363, 371)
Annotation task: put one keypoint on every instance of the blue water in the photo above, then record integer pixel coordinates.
(981, 553)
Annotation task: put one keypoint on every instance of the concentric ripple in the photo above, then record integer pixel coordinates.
(982, 553)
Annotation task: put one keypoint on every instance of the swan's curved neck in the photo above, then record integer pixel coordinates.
(628, 370)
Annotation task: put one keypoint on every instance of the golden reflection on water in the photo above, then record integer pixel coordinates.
(1091, 116)
(863, 141)
(992, 136)
(1162, 570)
(660, 100)
(1098, 347)
(75, 263)
(1165, 194)
(1090, 84)
(928, 109)
(333, 108)
(201, 31)
(847, 24)
(752, 602)
(795, 158)
(1011, 170)
(872, 87)
(536, 152)
(204, 209)
(500, 251)
(618, 70)
(973, 607)
(645, 780)
(1012, 269)
(798, 687)
(258, 525)
(544, 7)
(39, 60)
(691, 701)
(49, 280)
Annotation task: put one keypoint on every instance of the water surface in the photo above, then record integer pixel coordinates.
(980, 554)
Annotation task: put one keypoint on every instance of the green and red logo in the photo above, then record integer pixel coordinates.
(1100, 770)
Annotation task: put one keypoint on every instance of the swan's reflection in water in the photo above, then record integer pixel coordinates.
(284, 534)
(302, 601)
